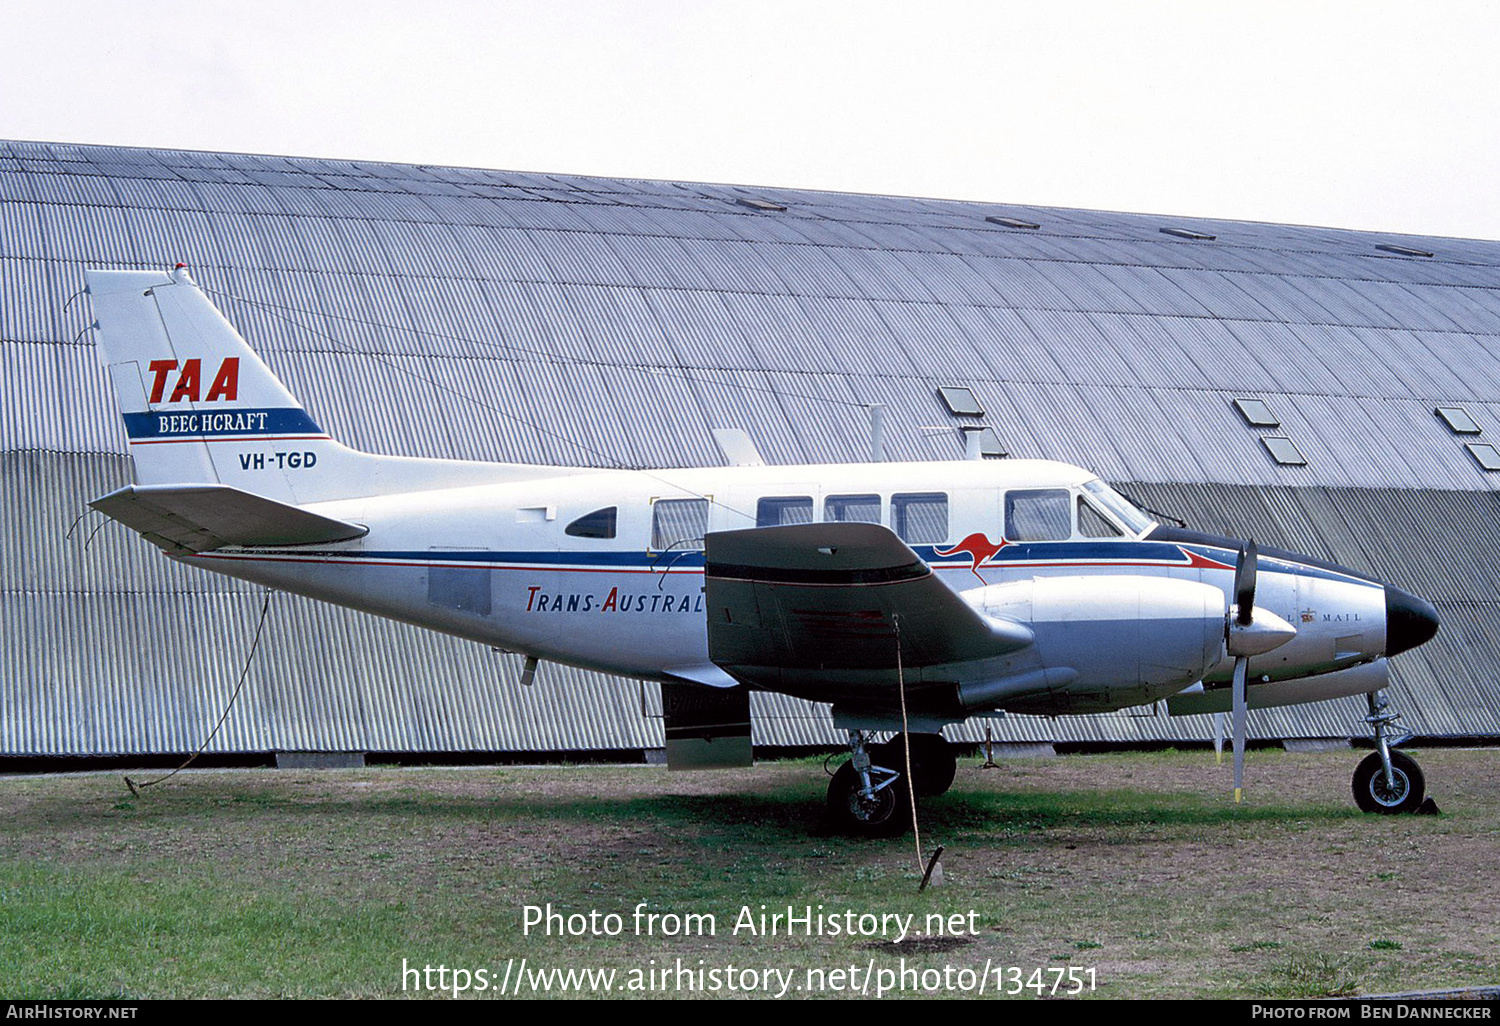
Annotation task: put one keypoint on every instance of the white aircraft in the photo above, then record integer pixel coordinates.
(908, 595)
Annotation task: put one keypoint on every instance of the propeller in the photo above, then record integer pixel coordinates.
(1245, 569)
(1244, 583)
(1250, 631)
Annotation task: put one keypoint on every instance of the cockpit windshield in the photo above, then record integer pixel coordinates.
(1119, 507)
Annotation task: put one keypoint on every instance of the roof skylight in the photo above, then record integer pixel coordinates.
(960, 401)
(759, 204)
(1458, 420)
(989, 444)
(1284, 451)
(1188, 233)
(1402, 250)
(1257, 413)
(1011, 222)
(1485, 454)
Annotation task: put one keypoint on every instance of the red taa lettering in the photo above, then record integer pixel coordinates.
(227, 382)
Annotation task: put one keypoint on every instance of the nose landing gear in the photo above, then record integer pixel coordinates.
(1387, 781)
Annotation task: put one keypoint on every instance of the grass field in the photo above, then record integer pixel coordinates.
(1138, 867)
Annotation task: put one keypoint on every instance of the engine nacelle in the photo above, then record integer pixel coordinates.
(1128, 639)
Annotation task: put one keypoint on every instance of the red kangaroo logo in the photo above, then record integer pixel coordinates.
(977, 547)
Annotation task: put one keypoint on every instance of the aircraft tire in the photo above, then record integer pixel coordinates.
(1372, 794)
(886, 814)
(933, 763)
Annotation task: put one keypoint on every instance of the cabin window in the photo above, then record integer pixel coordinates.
(921, 518)
(781, 510)
(1093, 524)
(857, 509)
(678, 524)
(598, 524)
(1038, 514)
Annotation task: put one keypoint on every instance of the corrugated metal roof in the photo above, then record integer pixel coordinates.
(514, 311)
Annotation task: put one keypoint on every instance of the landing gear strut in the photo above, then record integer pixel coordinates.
(865, 797)
(1387, 781)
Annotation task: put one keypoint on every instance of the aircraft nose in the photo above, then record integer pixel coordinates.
(1409, 621)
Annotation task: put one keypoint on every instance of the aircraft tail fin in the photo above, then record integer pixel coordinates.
(201, 407)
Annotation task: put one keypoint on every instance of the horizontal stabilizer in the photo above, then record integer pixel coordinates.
(196, 518)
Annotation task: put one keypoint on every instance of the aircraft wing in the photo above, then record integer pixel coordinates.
(196, 518)
(825, 597)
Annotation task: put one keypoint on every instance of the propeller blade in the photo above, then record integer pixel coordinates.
(1244, 582)
(1241, 710)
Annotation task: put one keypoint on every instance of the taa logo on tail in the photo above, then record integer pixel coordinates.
(225, 385)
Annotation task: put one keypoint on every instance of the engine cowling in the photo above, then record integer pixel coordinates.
(1128, 639)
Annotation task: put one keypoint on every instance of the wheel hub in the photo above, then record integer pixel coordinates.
(1387, 794)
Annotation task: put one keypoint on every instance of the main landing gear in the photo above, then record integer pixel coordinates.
(869, 795)
(1387, 781)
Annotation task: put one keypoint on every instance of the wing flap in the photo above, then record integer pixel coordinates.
(837, 596)
(706, 728)
(196, 518)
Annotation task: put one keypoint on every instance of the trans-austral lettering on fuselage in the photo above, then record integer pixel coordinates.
(1020, 585)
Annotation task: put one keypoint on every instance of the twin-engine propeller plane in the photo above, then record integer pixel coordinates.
(908, 595)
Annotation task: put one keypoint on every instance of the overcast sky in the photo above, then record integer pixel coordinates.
(1376, 115)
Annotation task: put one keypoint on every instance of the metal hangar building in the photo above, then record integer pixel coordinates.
(1331, 392)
